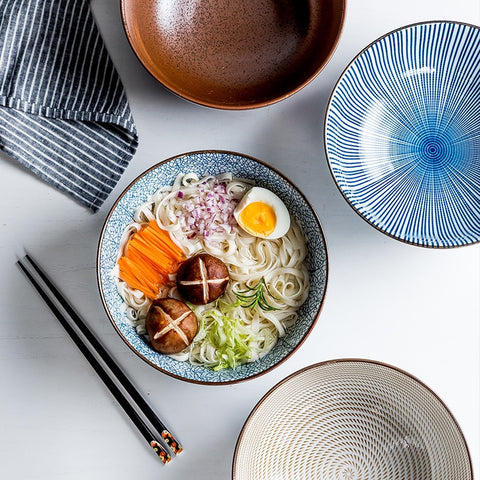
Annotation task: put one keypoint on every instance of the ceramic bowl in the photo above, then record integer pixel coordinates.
(402, 134)
(233, 55)
(212, 162)
(351, 420)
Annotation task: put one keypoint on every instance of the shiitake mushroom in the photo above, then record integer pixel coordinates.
(171, 325)
(202, 278)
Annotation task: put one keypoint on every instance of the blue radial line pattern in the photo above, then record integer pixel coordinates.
(402, 134)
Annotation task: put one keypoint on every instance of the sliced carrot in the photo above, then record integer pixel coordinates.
(150, 257)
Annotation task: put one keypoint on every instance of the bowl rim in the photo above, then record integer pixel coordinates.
(327, 111)
(102, 295)
(240, 106)
(345, 360)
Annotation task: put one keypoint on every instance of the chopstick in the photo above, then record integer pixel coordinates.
(50, 294)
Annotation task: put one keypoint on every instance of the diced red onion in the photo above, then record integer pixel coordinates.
(209, 211)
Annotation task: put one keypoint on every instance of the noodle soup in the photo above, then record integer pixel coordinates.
(259, 269)
(198, 213)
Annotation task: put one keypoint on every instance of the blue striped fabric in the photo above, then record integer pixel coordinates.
(63, 110)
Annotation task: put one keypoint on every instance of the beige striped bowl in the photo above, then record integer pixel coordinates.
(351, 420)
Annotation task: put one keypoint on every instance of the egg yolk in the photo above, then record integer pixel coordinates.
(258, 218)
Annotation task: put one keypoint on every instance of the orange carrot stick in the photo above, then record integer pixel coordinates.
(150, 257)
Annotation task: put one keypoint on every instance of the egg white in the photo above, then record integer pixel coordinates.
(259, 194)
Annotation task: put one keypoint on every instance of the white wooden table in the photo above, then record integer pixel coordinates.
(414, 308)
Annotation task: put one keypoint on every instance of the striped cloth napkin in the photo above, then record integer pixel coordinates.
(63, 110)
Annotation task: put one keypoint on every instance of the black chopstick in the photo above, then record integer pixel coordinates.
(167, 437)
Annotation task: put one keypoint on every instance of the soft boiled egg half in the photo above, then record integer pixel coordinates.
(262, 214)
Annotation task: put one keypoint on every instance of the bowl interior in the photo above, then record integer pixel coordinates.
(233, 54)
(213, 162)
(402, 134)
(351, 419)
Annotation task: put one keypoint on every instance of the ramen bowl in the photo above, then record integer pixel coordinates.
(201, 163)
(402, 134)
(351, 420)
(233, 55)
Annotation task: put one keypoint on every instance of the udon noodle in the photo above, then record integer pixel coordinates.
(198, 214)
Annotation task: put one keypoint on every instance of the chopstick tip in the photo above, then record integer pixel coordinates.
(162, 454)
(20, 254)
(171, 442)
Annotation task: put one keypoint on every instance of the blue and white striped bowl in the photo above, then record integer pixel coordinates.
(402, 134)
(201, 163)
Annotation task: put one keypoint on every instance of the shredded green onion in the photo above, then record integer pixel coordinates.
(232, 341)
(254, 296)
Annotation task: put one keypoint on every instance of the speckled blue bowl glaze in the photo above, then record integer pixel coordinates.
(213, 162)
(402, 134)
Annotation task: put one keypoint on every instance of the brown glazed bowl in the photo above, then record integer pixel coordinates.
(233, 54)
